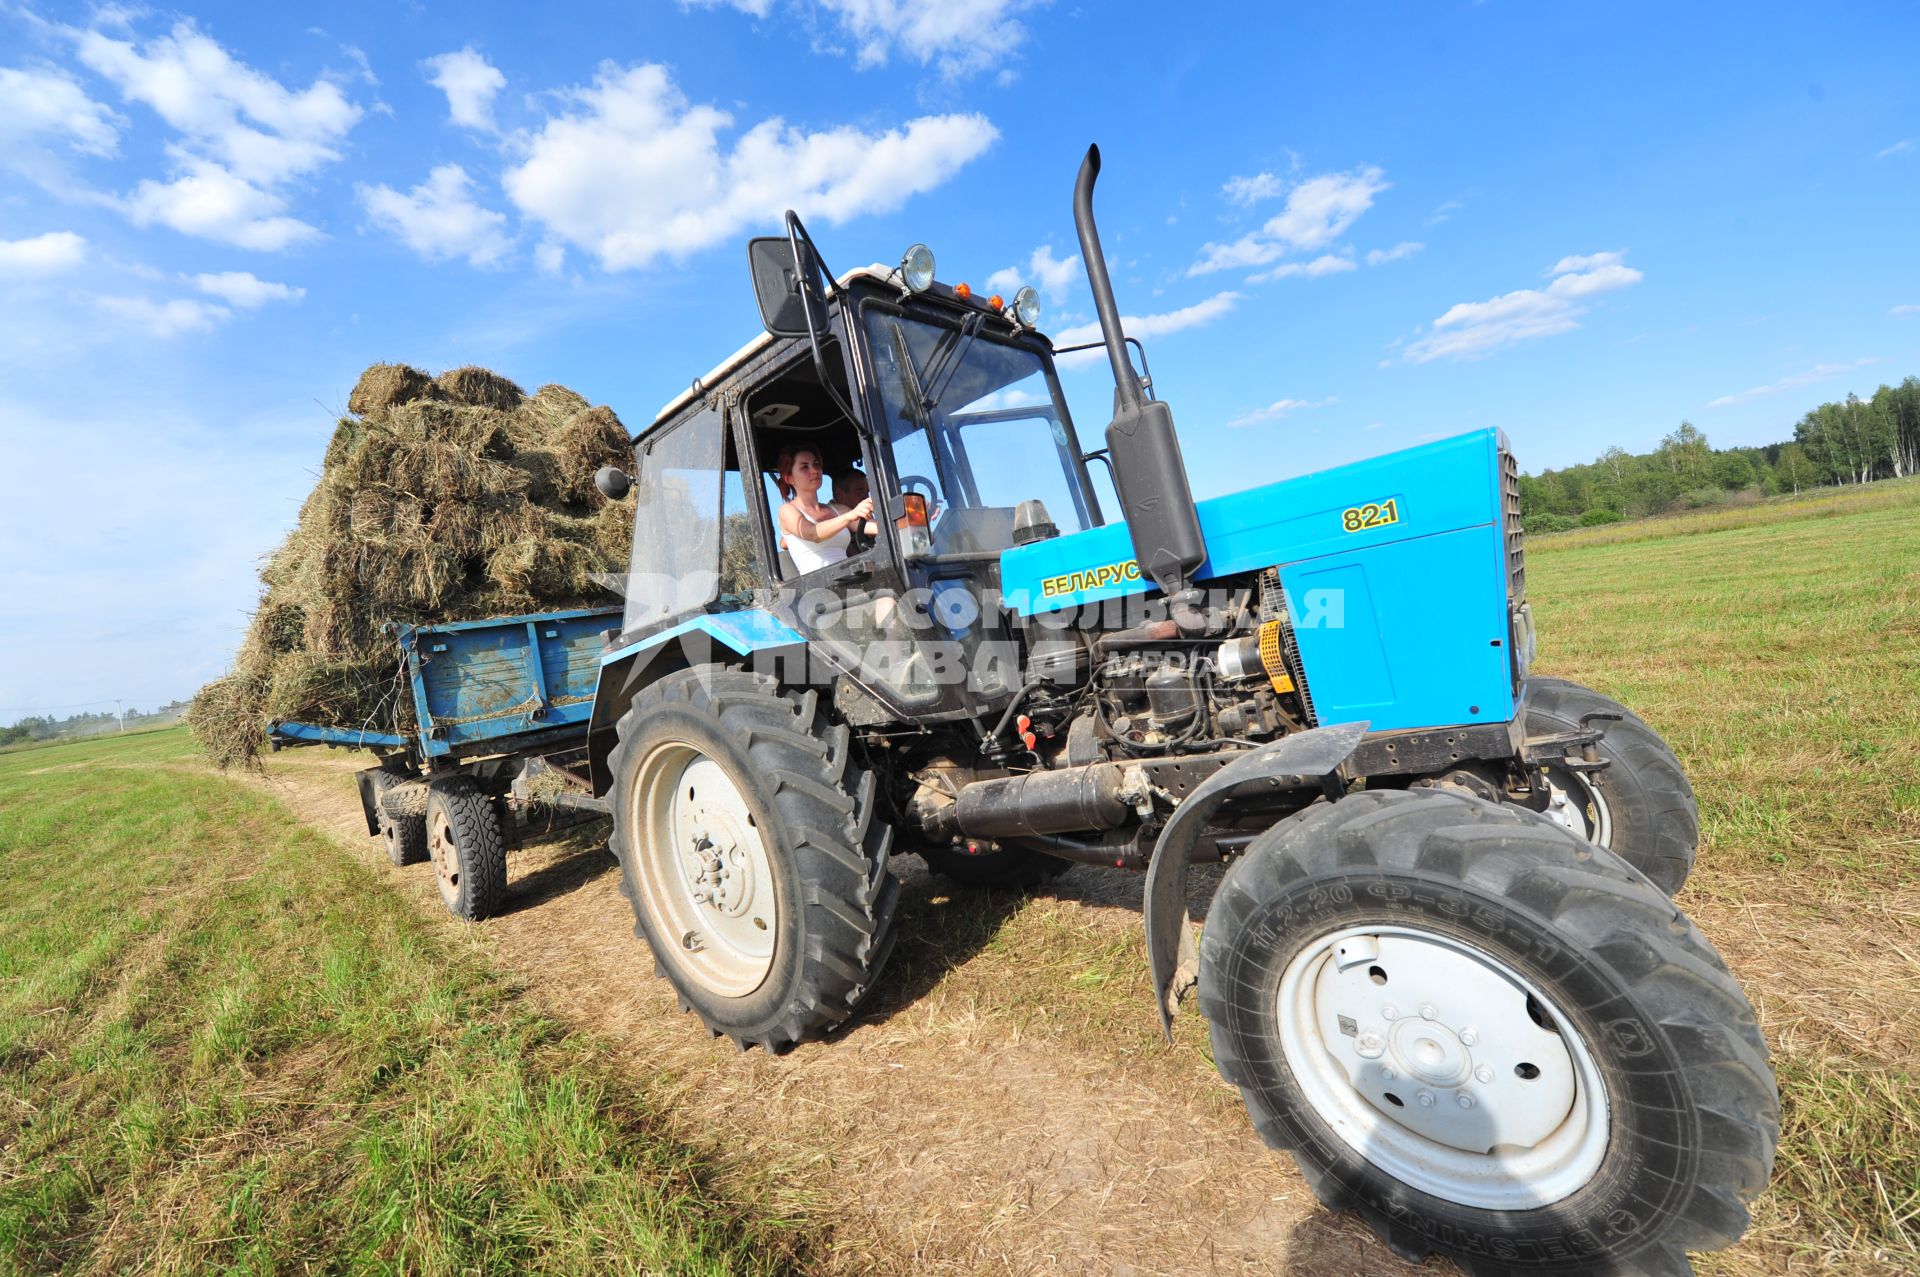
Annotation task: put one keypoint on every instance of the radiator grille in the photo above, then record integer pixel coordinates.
(1510, 508)
(1273, 607)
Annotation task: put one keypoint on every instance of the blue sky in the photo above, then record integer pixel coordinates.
(1342, 229)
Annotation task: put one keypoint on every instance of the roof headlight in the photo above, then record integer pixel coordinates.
(1026, 307)
(916, 269)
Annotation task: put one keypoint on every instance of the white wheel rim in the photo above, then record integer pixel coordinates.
(1493, 1110)
(446, 857)
(704, 872)
(1576, 803)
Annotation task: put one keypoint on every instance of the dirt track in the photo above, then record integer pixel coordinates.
(957, 1125)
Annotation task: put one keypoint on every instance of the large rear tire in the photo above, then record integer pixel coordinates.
(400, 809)
(1490, 1038)
(751, 853)
(1639, 806)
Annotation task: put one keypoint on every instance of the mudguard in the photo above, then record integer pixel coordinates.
(1304, 760)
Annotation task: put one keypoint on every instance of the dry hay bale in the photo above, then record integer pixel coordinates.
(454, 498)
(384, 385)
(479, 387)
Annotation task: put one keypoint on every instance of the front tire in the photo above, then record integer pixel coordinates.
(750, 851)
(1491, 1039)
(1639, 806)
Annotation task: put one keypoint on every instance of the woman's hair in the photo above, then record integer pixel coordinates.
(783, 466)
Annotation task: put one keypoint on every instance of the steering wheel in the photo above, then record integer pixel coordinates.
(908, 480)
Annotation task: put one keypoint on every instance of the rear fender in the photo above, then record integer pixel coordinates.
(1307, 760)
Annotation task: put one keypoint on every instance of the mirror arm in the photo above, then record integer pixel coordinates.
(804, 280)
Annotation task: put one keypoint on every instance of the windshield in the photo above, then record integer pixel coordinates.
(977, 426)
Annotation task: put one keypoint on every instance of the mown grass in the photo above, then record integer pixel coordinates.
(226, 1047)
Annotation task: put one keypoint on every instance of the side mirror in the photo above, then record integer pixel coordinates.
(612, 482)
(780, 264)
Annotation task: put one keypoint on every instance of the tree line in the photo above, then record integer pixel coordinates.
(1854, 440)
(41, 727)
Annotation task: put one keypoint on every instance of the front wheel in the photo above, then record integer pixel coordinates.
(1639, 806)
(1492, 1039)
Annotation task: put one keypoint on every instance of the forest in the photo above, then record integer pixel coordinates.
(1853, 440)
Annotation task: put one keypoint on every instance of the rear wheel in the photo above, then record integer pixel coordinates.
(1491, 1039)
(751, 854)
(1639, 806)
(469, 855)
(400, 809)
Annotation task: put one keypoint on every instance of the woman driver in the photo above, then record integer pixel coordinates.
(816, 531)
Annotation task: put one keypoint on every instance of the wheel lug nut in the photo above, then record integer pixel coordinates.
(1484, 1073)
(1389, 1012)
(1466, 1101)
(1427, 1011)
(1370, 1045)
(1426, 1099)
(1469, 1035)
(1387, 1074)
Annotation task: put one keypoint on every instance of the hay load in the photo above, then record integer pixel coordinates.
(442, 498)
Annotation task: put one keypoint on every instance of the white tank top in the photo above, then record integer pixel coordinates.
(809, 555)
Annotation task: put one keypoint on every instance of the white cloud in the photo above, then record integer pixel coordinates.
(1444, 213)
(1318, 211)
(210, 202)
(470, 83)
(1248, 191)
(47, 254)
(49, 103)
(1145, 327)
(1043, 270)
(634, 172)
(1473, 329)
(1325, 264)
(1398, 253)
(166, 319)
(1812, 376)
(243, 135)
(1590, 261)
(550, 258)
(245, 290)
(1274, 411)
(1898, 148)
(962, 36)
(438, 219)
(247, 122)
(1908, 309)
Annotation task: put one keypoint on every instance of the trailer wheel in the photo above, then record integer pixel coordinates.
(1490, 1038)
(400, 809)
(1011, 867)
(469, 854)
(1640, 806)
(752, 854)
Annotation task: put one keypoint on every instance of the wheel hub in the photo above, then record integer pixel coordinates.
(1443, 1065)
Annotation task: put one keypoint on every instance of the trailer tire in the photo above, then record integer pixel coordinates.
(400, 809)
(464, 841)
(1504, 937)
(1640, 806)
(752, 852)
(1011, 868)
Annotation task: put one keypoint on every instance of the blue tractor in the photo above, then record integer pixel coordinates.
(1442, 965)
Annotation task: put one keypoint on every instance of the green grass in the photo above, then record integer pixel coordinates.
(226, 1047)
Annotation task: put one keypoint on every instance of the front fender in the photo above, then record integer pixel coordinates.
(1305, 760)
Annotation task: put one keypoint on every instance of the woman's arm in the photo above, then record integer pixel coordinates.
(795, 524)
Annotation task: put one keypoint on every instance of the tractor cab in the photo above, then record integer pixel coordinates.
(941, 407)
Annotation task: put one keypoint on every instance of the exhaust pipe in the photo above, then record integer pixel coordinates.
(1147, 466)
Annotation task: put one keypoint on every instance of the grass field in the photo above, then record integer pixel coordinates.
(230, 1044)
(226, 1047)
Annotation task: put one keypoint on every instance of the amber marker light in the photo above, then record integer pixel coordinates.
(962, 290)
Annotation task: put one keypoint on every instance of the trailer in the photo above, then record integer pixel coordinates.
(498, 751)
